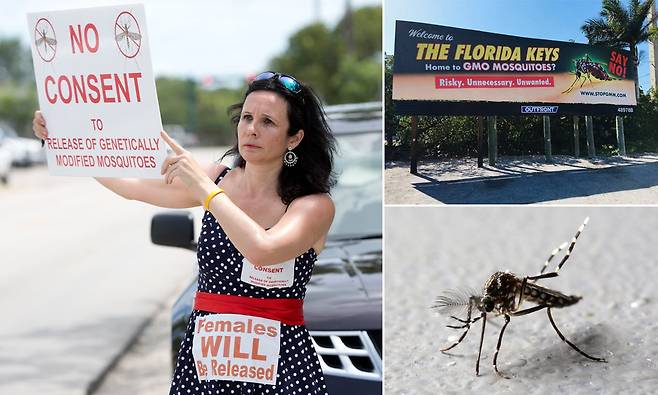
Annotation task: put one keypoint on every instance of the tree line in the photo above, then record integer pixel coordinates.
(342, 63)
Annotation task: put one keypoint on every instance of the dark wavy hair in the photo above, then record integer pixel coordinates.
(313, 172)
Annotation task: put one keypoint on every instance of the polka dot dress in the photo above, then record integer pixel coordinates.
(220, 266)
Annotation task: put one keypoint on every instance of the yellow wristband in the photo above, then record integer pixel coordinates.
(210, 196)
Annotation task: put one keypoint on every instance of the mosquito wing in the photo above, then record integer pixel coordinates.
(51, 41)
(134, 36)
(120, 36)
(454, 302)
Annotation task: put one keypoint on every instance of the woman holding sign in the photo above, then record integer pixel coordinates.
(266, 221)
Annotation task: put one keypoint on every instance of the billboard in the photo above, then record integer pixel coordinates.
(451, 71)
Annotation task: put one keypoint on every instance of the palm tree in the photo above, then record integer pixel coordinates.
(623, 27)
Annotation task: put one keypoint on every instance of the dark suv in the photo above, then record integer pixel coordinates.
(343, 304)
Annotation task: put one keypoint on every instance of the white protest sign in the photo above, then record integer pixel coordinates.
(97, 92)
(236, 347)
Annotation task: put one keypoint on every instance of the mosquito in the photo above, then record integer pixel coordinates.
(503, 294)
(127, 34)
(586, 69)
(45, 40)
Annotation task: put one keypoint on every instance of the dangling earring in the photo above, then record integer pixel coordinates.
(290, 158)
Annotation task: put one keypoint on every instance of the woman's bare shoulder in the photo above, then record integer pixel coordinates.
(318, 203)
(213, 169)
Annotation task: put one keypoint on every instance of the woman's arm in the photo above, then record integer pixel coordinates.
(306, 221)
(155, 192)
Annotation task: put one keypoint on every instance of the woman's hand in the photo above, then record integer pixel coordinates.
(39, 125)
(186, 168)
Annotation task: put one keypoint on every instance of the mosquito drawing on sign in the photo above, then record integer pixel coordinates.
(502, 295)
(45, 41)
(127, 34)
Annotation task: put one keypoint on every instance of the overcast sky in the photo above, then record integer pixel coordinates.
(197, 38)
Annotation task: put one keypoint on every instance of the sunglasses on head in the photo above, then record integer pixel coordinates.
(287, 81)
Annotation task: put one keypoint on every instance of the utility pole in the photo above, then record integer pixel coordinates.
(653, 53)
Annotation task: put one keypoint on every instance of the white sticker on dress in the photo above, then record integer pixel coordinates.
(281, 275)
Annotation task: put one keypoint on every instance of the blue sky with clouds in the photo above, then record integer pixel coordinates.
(549, 19)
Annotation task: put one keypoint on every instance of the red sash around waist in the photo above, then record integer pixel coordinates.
(287, 311)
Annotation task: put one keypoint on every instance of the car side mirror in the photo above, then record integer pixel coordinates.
(173, 229)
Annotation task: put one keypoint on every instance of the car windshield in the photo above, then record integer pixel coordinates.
(358, 193)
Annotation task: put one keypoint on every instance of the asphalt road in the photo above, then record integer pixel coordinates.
(79, 278)
(145, 368)
(614, 266)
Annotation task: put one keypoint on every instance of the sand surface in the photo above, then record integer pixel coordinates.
(525, 180)
(613, 267)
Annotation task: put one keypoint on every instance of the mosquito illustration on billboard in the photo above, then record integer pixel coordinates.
(44, 35)
(586, 68)
(127, 34)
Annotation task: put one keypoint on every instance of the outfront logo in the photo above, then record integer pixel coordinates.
(539, 109)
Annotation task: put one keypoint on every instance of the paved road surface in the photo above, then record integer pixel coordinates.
(79, 277)
(145, 369)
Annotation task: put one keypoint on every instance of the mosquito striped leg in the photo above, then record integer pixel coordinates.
(550, 317)
(466, 325)
(566, 256)
(460, 320)
(477, 364)
(550, 258)
(500, 339)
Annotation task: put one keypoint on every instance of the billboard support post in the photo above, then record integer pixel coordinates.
(493, 140)
(621, 143)
(547, 139)
(589, 129)
(414, 148)
(480, 121)
(576, 136)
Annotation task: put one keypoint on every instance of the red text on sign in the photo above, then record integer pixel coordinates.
(77, 38)
(101, 88)
(210, 345)
(618, 64)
